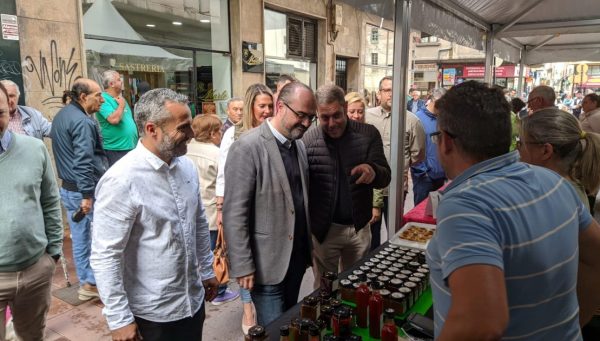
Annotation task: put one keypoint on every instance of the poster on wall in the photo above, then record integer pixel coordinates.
(10, 27)
(252, 57)
(449, 76)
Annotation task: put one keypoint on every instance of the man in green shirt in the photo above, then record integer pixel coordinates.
(116, 119)
(31, 232)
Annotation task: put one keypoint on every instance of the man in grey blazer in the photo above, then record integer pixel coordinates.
(265, 212)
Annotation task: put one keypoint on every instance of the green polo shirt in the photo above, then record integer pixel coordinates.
(122, 136)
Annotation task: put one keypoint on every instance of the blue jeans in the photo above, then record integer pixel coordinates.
(423, 184)
(273, 300)
(244, 294)
(81, 235)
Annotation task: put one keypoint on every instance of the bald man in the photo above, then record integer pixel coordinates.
(541, 97)
(80, 161)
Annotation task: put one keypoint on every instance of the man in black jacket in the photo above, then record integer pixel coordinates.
(346, 161)
(80, 161)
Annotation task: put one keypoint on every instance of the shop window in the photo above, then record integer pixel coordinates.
(374, 35)
(374, 58)
(594, 70)
(161, 44)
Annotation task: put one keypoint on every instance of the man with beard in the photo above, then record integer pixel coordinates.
(80, 162)
(115, 118)
(151, 246)
(265, 213)
(347, 162)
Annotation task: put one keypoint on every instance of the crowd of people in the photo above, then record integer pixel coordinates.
(293, 180)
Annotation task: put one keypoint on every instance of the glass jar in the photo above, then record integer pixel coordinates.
(371, 277)
(408, 294)
(413, 266)
(341, 322)
(326, 315)
(398, 302)
(369, 264)
(423, 278)
(385, 253)
(386, 262)
(329, 282)
(346, 290)
(377, 271)
(364, 268)
(388, 273)
(310, 308)
(284, 333)
(374, 260)
(419, 283)
(395, 284)
(414, 291)
(353, 278)
(256, 333)
(384, 280)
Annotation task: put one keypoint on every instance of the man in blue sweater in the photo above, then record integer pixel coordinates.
(80, 162)
(428, 175)
(30, 229)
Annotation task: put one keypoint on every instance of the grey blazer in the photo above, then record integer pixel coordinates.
(258, 211)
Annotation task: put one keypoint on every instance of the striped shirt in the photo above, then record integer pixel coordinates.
(524, 220)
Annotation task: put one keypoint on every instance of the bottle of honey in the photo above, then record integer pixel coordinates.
(362, 294)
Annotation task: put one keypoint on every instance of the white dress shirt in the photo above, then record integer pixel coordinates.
(226, 142)
(150, 240)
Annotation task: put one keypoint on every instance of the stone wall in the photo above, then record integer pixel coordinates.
(52, 57)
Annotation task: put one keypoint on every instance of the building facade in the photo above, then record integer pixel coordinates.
(210, 50)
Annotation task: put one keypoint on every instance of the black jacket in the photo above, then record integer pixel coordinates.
(361, 144)
(77, 146)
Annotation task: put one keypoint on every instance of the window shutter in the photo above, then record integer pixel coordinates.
(294, 34)
(309, 40)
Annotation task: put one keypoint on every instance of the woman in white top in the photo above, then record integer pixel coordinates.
(258, 105)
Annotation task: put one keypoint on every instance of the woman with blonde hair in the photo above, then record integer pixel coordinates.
(356, 106)
(553, 138)
(258, 106)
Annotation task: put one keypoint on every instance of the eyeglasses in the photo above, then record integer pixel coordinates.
(302, 116)
(520, 143)
(435, 136)
(385, 91)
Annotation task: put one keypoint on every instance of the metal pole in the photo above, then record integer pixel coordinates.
(489, 56)
(521, 72)
(401, 51)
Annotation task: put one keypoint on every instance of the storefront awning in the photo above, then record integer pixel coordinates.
(103, 20)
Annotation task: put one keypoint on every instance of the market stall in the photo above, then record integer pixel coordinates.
(392, 264)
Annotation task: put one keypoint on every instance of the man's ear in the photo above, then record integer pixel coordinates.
(151, 129)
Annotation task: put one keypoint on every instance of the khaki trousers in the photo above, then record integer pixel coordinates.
(27, 293)
(342, 248)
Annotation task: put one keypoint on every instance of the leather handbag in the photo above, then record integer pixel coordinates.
(220, 263)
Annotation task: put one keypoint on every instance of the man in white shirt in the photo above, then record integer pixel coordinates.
(150, 246)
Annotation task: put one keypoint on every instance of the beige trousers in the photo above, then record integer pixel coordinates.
(27, 293)
(341, 249)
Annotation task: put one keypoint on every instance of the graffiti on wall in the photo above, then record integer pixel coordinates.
(53, 71)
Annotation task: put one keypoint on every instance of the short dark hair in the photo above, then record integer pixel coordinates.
(285, 78)
(517, 104)
(478, 117)
(386, 78)
(593, 98)
(330, 93)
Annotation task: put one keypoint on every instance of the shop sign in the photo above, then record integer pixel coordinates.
(10, 27)
(141, 67)
(252, 57)
(426, 67)
(449, 76)
(478, 71)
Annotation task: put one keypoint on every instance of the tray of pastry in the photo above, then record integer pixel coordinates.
(416, 235)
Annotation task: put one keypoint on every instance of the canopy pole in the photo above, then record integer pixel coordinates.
(489, 56)
(401, 52)
(521, 72)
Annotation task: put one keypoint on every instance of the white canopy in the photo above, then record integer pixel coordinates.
(548, 30)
